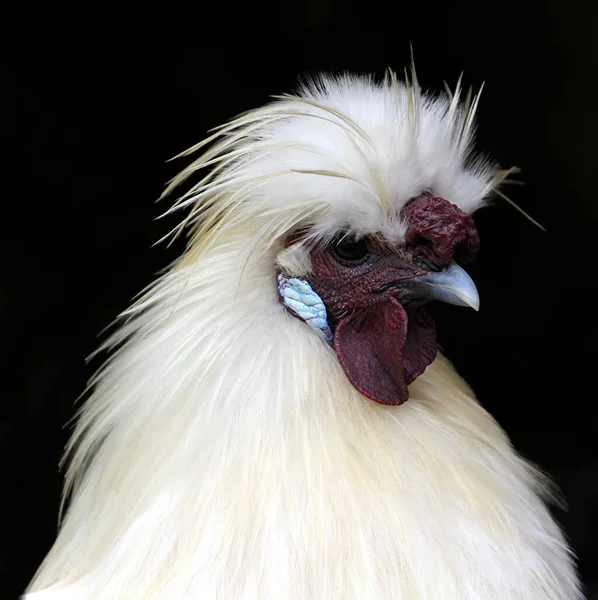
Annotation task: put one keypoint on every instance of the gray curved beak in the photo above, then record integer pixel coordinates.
(453, 286)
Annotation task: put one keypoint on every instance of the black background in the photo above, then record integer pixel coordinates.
(99, 101)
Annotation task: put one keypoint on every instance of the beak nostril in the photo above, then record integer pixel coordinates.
(424, 252)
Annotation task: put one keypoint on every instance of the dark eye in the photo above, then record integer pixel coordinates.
(350, 251)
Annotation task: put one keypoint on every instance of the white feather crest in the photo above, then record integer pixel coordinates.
(348, 151)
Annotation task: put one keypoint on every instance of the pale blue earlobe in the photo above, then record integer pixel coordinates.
(301, 300)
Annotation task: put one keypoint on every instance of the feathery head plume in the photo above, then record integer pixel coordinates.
(344, 153)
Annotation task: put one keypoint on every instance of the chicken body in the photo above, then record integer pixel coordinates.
(224, 452)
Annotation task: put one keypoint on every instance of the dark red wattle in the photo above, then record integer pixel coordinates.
(369, 344)
(382, 349)
(421, 346)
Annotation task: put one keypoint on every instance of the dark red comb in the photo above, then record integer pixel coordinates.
(439, 229)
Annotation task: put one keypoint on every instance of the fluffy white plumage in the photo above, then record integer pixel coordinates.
(224, 454)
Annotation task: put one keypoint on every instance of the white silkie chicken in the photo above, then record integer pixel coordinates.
(276, 422)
